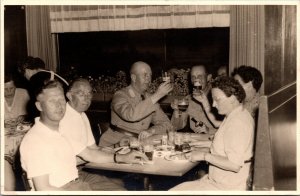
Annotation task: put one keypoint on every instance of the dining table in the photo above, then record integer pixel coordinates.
(161, 164)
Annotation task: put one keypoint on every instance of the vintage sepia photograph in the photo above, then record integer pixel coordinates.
(149, 97)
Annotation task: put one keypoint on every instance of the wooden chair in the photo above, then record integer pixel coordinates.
(28, 183)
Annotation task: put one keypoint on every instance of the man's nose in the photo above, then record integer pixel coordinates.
(214, 104)
(60, 105)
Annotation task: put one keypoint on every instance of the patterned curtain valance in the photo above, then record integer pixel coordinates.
(84, 18)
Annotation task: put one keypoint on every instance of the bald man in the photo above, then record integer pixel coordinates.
(133, 109)
(195, 115)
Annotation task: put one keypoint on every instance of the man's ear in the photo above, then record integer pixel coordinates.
(133, 77)
(38, 106)
(69, 96)
(250, 84)
(209, 77)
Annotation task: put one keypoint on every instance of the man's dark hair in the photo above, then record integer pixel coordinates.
(230, 86)
(31, 63)
(247, 74)
(75, 81)
(47, 84)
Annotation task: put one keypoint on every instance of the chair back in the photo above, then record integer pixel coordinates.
(28, 183)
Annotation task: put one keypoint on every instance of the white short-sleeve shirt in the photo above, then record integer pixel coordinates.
(76, 128)
(45, 151)
(234, 140)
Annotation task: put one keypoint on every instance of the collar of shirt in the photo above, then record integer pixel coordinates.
(46, 131)
(234, 111)
(134, 93)
(72, 111)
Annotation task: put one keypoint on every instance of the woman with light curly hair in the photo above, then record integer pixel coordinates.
(232, 147)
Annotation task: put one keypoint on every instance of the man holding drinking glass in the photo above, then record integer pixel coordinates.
(133, 109)
(194, 115)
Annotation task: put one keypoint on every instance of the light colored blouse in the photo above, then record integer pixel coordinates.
(18, 106)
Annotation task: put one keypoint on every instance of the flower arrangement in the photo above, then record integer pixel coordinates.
(106, 86)
(179, 78)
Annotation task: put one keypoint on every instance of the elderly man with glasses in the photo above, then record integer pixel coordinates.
(75, 126)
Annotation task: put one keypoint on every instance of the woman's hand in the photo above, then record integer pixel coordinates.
(196, 155)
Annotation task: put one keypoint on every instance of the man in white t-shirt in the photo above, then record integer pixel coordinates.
(47, 156)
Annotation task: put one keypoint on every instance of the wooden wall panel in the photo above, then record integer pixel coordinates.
(273, 44)
(14, 35)
(280, 47)
(290, 42)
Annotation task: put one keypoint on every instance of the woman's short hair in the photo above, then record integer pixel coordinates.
(247, 74)
(8, 77)
(230, 86)
(31, 63)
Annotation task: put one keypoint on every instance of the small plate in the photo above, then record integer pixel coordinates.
(176, 157)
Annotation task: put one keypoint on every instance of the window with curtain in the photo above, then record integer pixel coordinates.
(105, 53)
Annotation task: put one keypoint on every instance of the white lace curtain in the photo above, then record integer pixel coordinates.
(84, 18)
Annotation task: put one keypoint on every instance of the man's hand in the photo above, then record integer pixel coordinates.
(202, 98)
(132, 157)
(125, 141)
(145, 133)
(162, 91)
(200, 129)
(174, 104)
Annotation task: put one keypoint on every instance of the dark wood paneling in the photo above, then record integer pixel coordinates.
(282, 123)
(279, 97)
(275, 165)
(273, 44)
(280, 47)
(14, 35)
(290, 42)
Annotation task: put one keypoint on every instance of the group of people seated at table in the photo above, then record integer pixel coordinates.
(61, 139)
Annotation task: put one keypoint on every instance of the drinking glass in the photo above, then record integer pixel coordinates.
(171, 136)
(148, 150)
(197, 89)
(178, 142)
(134, 143)
(166, 77)
(183, 104)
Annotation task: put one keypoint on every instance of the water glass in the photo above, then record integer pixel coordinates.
(171, 137)
(186, 138)
(166, 77)
(149, 150)
(134, 143)
(178, 142)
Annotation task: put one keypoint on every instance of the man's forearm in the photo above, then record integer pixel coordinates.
(96, 156)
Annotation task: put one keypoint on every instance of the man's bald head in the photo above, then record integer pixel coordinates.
(198, 68)
(198, 73)
(141, 76)
(138, 66)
